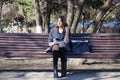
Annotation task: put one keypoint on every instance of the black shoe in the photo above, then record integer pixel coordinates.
(63, 73)
(55, 72)
(55, 75)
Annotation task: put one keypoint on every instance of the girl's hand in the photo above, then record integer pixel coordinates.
(55, 41)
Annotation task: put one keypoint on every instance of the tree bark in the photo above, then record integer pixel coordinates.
(1, 4)
(93, 28)
(75, 21)
(45, 11)
(46, 22)
(77, 15)
(70, 12)
(37, 13)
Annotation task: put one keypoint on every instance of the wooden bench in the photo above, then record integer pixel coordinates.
(103, 45)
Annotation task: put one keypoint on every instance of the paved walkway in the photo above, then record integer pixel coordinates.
(71, 75)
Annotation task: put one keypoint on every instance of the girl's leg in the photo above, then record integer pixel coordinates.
(55, 60)
(63, 61)
(62, 51)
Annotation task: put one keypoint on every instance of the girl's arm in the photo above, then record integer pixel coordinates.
(67, 33)
(54, 42)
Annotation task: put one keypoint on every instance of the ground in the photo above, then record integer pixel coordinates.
(41, 69)
(33, 63)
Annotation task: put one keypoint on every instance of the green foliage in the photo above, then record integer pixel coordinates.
(108, 17)
(27, 7)
(5, 22)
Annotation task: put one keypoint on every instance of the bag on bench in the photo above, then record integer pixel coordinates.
(79, 46)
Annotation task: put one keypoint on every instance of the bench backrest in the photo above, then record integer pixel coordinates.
(23, 45)
(102, 42)
(103, 45)
(34, 45)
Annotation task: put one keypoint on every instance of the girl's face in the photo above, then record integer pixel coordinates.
(59, 22)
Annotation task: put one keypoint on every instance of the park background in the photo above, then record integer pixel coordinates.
(38, 16)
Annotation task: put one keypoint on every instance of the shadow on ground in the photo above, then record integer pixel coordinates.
(73, 74)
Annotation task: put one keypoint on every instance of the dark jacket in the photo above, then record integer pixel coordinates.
(54, 34)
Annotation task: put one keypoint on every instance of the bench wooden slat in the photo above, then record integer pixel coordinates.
(26, 54)
(95, 55)
(30, 49)
(103, 45)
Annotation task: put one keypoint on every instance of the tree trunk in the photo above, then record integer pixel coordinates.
(75, 21)
(25, 15)
(70, 12)
(46, 22)
(77, 15)
(0, 23)
(45, 12)
(93, 28)
(37, 13)
(1, 4)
